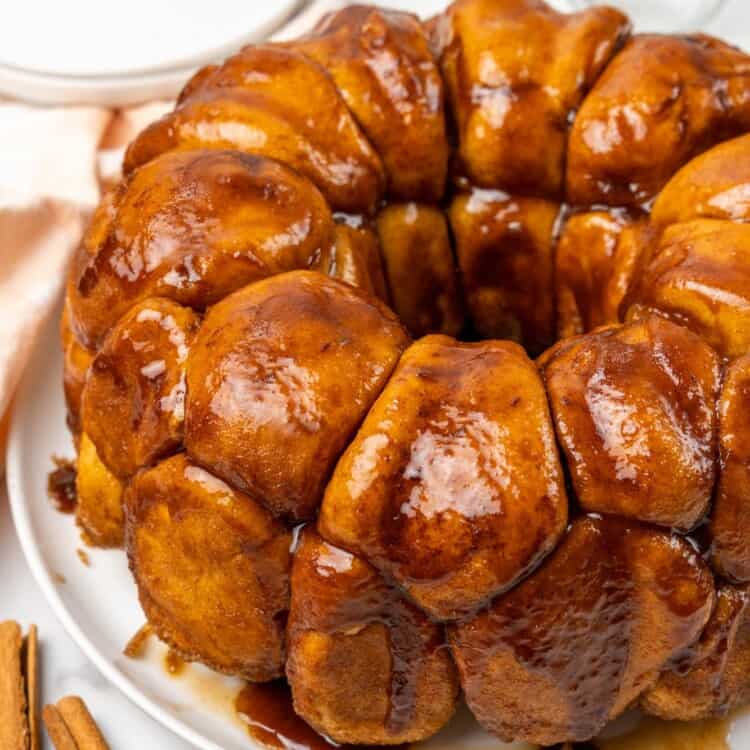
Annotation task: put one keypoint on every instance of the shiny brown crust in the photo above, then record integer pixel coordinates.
(364, 664)
(502, 154)
(661, 101)
(193, 226)
(134, 399)
(420, 268)
(635, 412)
(279, 376)
(254, 103)
(505, 249)
(212, 568)
(574, 645)
(515, 72)
(730, 519)
(453, 485)
(381, 63)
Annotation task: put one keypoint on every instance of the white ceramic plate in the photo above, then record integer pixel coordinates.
(98, 605)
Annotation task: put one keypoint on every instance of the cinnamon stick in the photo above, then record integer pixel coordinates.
(71, 726)
(14, 720)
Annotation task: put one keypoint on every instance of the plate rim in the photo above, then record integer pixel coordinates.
(32, 555)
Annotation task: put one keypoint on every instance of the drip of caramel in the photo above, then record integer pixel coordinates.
(268, 711)
(61, 485)
(173, 663)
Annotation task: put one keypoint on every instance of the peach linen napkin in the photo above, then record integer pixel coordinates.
(53, 165)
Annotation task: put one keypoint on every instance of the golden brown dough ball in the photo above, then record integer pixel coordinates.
(635, 411)
(578, 641)
(730, 518)
(279, 376)
(712, 676)
(212, 569)
(274, 101)
(714, 185)
(385, 72)
(420, 268)
(99, 511)
(700, 278)
(515, 71)
(355, 257)
(661, 101)
(365, 666)
(194, 226)
(598, 257)
(453, 485)
(134, 399)
(505, 249)
(76, 362)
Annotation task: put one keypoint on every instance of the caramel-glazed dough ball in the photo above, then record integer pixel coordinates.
(365, 666)
(212, 569)
(134, 399)
(713, 675)
(420, 268)
(661, 101)
(194, 227)
(598, 258)
(452, 485)
(279, 376)
(635, 412)
(715, 185)
(700, 278)
(385, 72)
(579, 640)
(730, 519)
(277, 102)
(76, 362)
(99, 511)
(515, 71)
(355, 257)
(505, 249)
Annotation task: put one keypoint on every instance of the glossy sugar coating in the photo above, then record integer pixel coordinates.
(492, 173)
(452, 486)
(280, 375)
(576, 643)
(365, 665)
(635, 412)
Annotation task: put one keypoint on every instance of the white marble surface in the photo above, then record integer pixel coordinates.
(65, 669)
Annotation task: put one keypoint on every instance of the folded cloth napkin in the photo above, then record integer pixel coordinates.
(53, 165)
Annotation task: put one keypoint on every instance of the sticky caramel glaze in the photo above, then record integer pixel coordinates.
(420, 268)
(715, 185)
(355, 257)
(99, 511)
(453, 485)
(386, 74)
(713, 675)
(133, 405)
(515, 71)
(276, 102)
(597, 259)
(573, 645)
(194, 227)
(279, 376)
(212, 569)
(61, 485)
(365, 665)
(505, 249)
(699, 277)
(634, 407)
(730, 518)
(661, 101)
